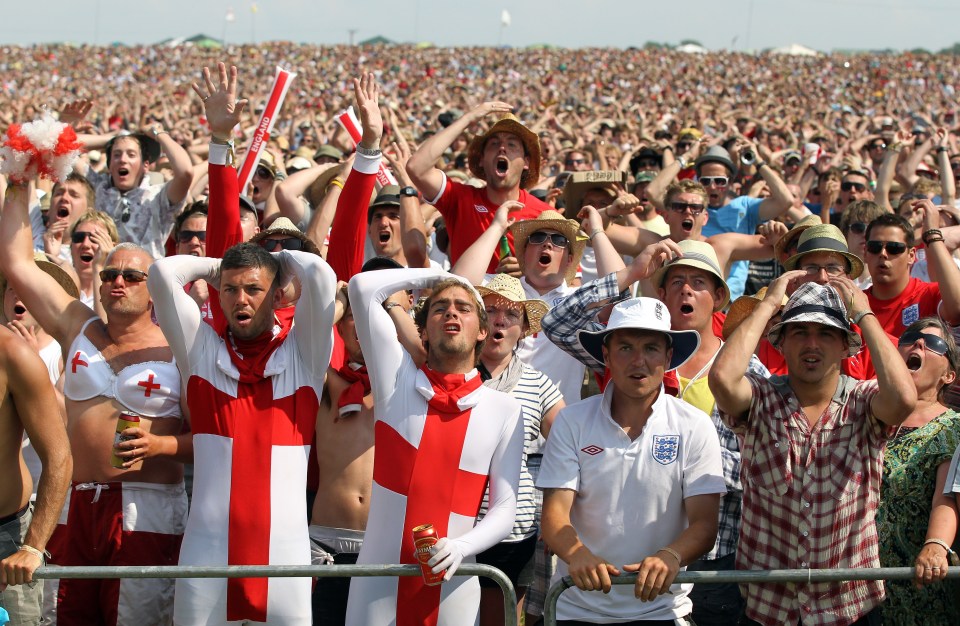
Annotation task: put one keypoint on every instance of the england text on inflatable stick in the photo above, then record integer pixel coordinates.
(262, 134)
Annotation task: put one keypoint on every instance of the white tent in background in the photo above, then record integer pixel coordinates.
(796, 50)
(691, 48)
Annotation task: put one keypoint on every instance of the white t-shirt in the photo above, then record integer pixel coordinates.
(630, 494)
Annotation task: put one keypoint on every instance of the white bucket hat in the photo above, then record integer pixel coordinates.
(643, 314)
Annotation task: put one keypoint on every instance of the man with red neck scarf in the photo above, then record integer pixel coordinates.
(253, 392)
(440, 437)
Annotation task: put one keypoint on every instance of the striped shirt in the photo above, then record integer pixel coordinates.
(810, 497)
(537, 395)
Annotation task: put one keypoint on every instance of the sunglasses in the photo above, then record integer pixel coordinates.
(263, 172)
(683, 146)
(557, 239)
(714, 181)
(850, 186)
(129, 276)
(878, 146)
(893, 248)
(273, 245)
(80, 236)
(575, 161)
(858, 228)
(680, 207)
(930, 342)
(185, 236)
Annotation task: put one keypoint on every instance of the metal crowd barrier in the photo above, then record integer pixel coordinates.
(749, 576)
(283, 571)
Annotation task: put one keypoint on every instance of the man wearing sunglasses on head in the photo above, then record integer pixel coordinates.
(896, 298)
(133, 514)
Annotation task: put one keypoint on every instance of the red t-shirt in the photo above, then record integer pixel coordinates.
(467, 213)
(918, 299)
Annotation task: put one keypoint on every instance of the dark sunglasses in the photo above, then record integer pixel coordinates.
(80, 236)
(850, 186)
(129, 276)
(683, 146)
(930, 342)
(893, 248)
(185, 236)
(575, 161)
(273, 245)
(858, 228)
(556, 238)
(878, 146)
(717, 181)
(680, 207)
(263, 172)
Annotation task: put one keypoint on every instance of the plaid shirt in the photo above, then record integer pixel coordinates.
(810, 499)
(578, 312)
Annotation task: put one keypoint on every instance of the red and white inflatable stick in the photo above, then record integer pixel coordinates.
(262, 135)
(351, 124)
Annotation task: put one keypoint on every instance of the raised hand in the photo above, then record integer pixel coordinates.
(367, 93)
(220, 103)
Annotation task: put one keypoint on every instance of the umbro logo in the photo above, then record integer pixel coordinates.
(592, 450)
(481, 209)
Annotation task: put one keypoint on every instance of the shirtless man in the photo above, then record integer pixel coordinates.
(28, 405)
(132, 515)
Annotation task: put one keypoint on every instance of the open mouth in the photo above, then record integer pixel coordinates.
(451, 328)
(384, 237)
(19, 309)
(686, 309)
(86, 258)
(544, 259)
(503, 164)
(498, 335)
(256, 190)
(122, 171)
(914, 362)
(687, 225)
(243, 318)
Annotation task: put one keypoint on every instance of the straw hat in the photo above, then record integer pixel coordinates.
(642, 314)
(510, 288)
(579, 183)
(824, 238)
(63, 278)
(698, 254)
(283, 226)
(508, 124)
(784, 242)
(318, 188)
(550, 220)
(819, 304)
(741, 308)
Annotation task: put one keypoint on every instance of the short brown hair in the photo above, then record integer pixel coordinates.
(863, 211)
(73, 177)
(102, 218)
(683, 186)
(448, 283)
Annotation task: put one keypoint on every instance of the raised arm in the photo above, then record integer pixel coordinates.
(472, 264)
(897, 394)
(58, 313)
(177, 313)
(180, 163)
(375, 330)
(315, 308)
(780, 199)
(413, 229)
(730, 388)
(941, 264)
(422, 166)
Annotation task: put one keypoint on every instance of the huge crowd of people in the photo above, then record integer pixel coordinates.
(623, 311)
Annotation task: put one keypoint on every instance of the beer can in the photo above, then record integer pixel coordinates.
(125, 421)
(424, 538)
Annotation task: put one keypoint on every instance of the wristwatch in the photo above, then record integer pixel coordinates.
(409, 191)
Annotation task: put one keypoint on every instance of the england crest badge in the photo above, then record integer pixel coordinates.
(666, 448)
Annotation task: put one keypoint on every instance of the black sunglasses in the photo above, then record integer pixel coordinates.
(575, 161)
(893, 248)
(930, 342)
(858, 228)
(263, 172)
(129, 276)
(79, 236)
(680, 207)
(850, 186)
(556, 238)
(273, 245)
(185, 236)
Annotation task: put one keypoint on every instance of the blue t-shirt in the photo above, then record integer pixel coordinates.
(742, 215)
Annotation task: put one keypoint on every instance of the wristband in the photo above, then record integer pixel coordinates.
(595, 232)
(368, 152)
(952, 557)
(336, 182)
(33, 551)
(391, 305)
(859, 316)
(682, 161)
(221, 142)
(895, 147)
(932, 236)
(941, 149)
(674, 553)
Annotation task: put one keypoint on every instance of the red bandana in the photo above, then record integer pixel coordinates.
(448, 389)
(251, 355)
(351, 399)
